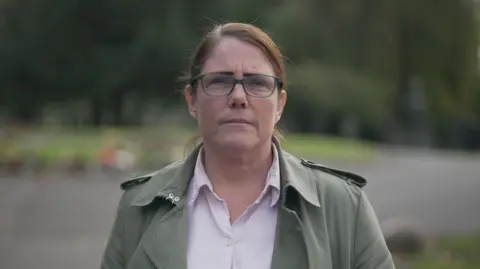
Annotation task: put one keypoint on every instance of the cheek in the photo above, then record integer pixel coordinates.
(208, 108)
(267, 114)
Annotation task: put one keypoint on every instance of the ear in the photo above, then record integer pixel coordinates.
(282, 101)
(191, 99)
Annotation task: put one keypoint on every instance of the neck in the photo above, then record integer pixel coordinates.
(225, 167)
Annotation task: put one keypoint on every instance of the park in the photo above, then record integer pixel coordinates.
(91, 95)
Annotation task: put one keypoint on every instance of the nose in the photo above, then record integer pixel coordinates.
(238, 97)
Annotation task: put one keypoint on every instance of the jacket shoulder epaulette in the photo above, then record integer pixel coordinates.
(347, 176)
(136, 181)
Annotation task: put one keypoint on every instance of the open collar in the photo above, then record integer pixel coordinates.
(172, 182)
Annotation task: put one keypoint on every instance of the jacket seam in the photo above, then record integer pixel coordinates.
(355, 230)
(121, 214)
(315, 182)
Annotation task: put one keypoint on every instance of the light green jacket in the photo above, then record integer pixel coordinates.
(325, 220)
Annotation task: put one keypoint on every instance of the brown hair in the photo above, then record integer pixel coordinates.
(247, 33)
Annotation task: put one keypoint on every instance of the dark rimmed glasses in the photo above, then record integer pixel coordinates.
(223, 83)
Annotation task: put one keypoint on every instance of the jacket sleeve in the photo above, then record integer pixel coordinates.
(370, 248)
(113, 257)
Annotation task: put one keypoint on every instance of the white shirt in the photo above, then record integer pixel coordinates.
(214, 243)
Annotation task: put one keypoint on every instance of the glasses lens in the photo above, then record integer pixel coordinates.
(259, 85)
(217, 84)
(255, 85)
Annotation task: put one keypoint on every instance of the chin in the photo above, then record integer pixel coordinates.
(238, 143)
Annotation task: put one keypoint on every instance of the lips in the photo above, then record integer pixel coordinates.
(244, 121)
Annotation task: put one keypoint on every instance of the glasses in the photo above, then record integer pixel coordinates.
(223, 83)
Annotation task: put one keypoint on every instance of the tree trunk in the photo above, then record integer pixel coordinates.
(96, 112)
(117, 107)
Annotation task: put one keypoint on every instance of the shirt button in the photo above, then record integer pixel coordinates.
(229, 242)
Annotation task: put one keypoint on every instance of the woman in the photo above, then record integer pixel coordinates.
(239, 201)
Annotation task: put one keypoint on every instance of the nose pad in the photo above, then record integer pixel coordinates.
(238, 89)
(238, 97)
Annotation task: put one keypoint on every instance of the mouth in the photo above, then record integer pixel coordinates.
(236, 121)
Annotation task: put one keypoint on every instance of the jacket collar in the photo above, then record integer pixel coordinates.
(171, 183)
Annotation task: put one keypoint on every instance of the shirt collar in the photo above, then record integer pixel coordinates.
(172, 182)
(200, 179)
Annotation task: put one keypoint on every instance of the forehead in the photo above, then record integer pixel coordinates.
(234, 55)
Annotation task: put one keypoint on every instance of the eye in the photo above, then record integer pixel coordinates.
(260, 82)
(216, 79)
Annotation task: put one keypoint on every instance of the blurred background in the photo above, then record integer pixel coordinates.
(89, 96)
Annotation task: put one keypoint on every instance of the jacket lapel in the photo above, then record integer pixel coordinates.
(289, 249)
(165, 240)
(298, 187)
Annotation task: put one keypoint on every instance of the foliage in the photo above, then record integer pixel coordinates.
(344, 57)
(340, 89)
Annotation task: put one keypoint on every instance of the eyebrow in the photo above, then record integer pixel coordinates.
(246, 74)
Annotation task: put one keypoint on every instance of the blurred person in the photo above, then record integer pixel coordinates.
(106, 158)
(125, 160)
(239, 200)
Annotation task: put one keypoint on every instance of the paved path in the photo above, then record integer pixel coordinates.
(59, 224)
(54, 224)
(438, 193)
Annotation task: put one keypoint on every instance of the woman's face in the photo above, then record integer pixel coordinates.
(236, 121)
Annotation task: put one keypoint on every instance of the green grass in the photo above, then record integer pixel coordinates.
(57, 145)
(436, 263)
(53, 147)
(452, 252)
(324, 147)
